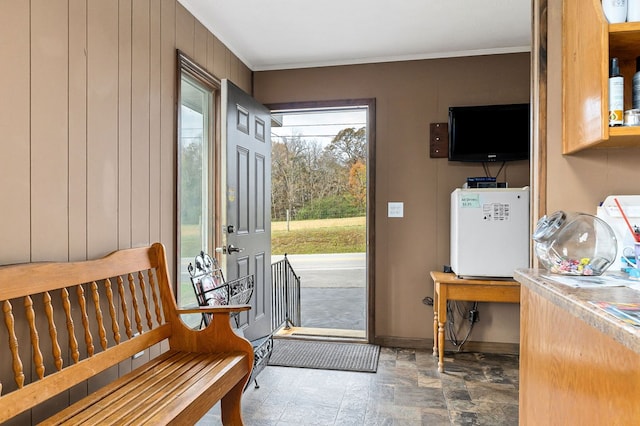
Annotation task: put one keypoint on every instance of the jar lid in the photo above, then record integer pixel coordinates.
(548, 226)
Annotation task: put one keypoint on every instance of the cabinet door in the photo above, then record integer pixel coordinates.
(585, 75)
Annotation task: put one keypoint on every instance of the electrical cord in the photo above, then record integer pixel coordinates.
(487, 172)
(450, 330)
(453, 307)
(470, 315)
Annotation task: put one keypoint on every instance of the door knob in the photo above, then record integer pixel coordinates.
(228, 249)
(232, 249)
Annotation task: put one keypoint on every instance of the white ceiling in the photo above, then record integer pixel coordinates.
(281, 34)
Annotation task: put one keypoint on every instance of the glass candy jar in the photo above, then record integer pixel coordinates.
(574, 243)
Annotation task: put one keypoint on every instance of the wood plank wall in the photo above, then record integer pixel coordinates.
(88, 132)
(87, 113)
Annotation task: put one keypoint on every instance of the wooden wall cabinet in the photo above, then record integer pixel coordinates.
(588, 43)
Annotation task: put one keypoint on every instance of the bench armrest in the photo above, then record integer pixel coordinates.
(228, 309)
(217, 337)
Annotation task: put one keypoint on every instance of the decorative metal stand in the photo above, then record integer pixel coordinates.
(211, 289)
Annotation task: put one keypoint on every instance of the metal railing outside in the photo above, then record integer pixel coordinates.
(286, 295)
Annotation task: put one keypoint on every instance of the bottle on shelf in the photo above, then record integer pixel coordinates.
(636, 86)
(616, 94)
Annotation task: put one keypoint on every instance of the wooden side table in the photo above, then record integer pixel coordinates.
(447, 286)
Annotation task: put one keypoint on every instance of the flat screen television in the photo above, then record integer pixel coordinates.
(489, 133)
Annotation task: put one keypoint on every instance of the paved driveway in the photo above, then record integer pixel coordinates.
(333, 290)
(343, 270)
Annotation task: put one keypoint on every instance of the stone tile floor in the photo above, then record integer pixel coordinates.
(476, 389)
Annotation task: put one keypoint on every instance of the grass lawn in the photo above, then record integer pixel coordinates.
(347, 235)
(191, 241)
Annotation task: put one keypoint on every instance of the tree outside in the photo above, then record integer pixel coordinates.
(319, 179)
(314, 182)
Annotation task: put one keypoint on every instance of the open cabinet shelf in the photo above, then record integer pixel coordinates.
(589, 43)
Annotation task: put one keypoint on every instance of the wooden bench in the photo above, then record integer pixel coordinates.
(67, 323)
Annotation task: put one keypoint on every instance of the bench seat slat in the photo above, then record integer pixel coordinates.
(168, 389)
(153, 394)
(158, 365)
(191, 403)
(134, 390)
(172, 397)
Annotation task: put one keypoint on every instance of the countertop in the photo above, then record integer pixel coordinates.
(575, 300)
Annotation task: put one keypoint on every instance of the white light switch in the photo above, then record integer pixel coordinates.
(395, 209)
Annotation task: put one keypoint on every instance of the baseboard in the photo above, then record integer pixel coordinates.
(402, 342)
(486, 347)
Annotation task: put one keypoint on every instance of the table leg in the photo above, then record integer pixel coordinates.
(435, 332)
(442, 320)
(435, 319)
(441, 347)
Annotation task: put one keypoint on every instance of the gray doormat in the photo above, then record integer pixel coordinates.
(325, 355)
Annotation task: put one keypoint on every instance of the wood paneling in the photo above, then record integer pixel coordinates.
(220, 54)
(539, 112)
(124, 123)
(200, 43)
(211, 43)
(49, 129)
(245, 79)
(168, 132)
(155, 143)
(87, 112)
(15, 100)
(140, 73)
(77, 130)
(88, 117)
(102, 127)
(234, 68)
(185, 31)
